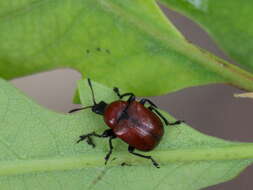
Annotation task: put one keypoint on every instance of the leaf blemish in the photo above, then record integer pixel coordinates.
(108, 51)
(222, 64)
(125, 164)
(98, 49)
(87, 51)
(98, 178)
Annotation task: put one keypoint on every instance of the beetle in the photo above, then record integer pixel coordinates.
(139, 126)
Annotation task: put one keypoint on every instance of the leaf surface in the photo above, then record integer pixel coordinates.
(119, 43)
(228, 22)
(38, 151)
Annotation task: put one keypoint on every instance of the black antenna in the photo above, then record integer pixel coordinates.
(93, 106)
(78, 109)
(93, 97)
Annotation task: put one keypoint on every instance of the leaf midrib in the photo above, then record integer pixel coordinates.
(233, 152)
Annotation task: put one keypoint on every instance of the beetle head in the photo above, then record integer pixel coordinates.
(99, 108)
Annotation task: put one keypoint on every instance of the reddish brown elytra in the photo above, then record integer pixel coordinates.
(139, 126)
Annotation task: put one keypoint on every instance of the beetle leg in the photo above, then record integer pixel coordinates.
(90, 142)
(116, 90)
(107, 133)
(144, 100)
(87, 137)
(159, 114)
(153, 107)
(129, 101)
(131, 96)
(131, 150)
(111, 148)
(163, 118)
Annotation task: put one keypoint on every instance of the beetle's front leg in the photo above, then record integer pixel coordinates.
(106, 134)
(87, 137)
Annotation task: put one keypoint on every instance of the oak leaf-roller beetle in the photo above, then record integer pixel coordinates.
(139, 126)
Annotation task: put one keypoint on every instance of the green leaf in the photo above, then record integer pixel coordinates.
(228, 22)
(38, 151)
(119, 43)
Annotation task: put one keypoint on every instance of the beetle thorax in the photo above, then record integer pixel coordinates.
(113, 112)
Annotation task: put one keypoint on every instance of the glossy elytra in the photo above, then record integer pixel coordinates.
(139, 126)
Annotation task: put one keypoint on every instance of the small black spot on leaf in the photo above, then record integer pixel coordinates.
(125, 164)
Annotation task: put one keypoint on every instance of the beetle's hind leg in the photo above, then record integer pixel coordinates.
(131, 150)
(153, 108)
(163, 118)
(144, 101)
